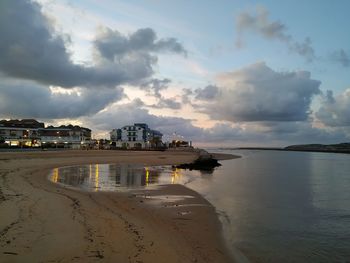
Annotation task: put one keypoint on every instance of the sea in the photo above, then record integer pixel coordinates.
(275, 206)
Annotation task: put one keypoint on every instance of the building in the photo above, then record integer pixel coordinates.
(31, 133)
(69, 136)
(137, 136)
(21, 133)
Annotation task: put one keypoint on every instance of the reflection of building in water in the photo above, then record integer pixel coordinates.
(176, 176)
(128, 175)
(54, 177)
(96, 176)
(106, 176)
(74, 175)
(147, 175)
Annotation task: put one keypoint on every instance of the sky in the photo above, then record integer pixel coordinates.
(233, 73)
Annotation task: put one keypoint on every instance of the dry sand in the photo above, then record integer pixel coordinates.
(43, 222)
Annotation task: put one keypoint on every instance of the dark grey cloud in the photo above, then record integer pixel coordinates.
(31, 49)
(154, 87)
(341, 57)
(335, 111)
(112, 45)
(19, 99)
(290, 133)
(170, 103)
(186, 95)
(261, 24)
(258, 93)
(207, 93)
(272, 134)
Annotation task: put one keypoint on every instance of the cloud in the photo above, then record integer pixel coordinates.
(261, 24)
(304, 49)
(111, 43)
(170, 103)
(258, 93)
(186, 95)
(153, 87)
(221, 134)
(31, 49)
(341, 57)
(302, 133)
(129, 113)
(335, 111)
(30, 100)
(207, 93)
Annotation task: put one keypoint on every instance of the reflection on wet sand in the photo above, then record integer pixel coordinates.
(104, 177)
(176, 176)
(54, 177)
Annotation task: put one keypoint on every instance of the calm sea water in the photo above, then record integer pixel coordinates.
(275, 206)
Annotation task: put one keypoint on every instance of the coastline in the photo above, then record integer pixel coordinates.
(42, 221)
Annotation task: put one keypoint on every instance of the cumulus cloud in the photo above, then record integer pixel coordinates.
(30, 100)
(207, 93)
(31, 49)
(261, 24)
(170, 103)
(258, 93)
(154, 87)
(335, 111)
(124, 114)
(186, 95)
(34, 57)
(288, 133)
(112, 45)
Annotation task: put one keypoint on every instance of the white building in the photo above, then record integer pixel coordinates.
(136, 136)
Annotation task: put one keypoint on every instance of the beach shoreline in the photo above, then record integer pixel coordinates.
(44, 222)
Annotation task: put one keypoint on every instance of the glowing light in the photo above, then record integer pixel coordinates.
(147, 175)
(96, 177)
(176, 176)
(55, 175)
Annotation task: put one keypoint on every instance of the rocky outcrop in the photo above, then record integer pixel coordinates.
(205, 162)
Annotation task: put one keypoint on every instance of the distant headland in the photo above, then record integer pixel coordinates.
(331, 148)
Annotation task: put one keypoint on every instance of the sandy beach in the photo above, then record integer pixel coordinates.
(44, 222)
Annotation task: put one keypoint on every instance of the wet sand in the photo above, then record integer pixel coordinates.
(43, 222)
